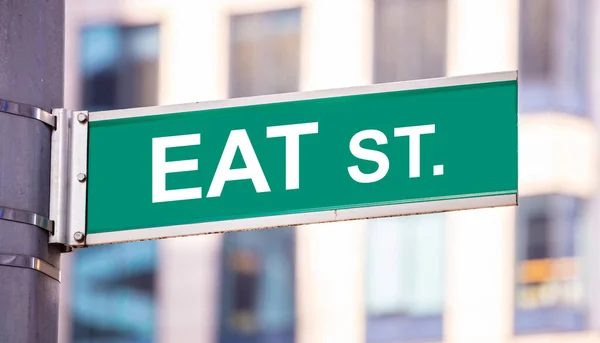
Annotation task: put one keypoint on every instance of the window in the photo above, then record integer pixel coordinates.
(549, 284)
(258, 293)
(265, 53)
(552, 56)
(410, 39)
(405, 278)
(119, 66)
(113, 291)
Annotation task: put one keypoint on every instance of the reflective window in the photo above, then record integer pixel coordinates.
(552, 62)
(264, 53)
(410, 39)
(258, 293)
(113, 293)
(114, 285)
(549, 292)
(405, 278)
(119, 66)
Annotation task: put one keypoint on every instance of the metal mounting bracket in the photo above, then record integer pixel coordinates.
(26, 217)
(28, 111)
(30, 262)
(68, 183)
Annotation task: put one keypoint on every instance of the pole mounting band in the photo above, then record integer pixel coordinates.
(26, 217)
(30, 262)
(28, 111)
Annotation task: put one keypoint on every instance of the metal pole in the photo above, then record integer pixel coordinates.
(31, 72)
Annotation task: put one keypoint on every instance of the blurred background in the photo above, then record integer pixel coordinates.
(523, 274)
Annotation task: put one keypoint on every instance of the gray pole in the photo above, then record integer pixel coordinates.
(31, 72)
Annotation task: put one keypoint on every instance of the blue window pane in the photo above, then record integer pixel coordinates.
(99, 49)
(552, 56)
(405, 278)
(265, 53)
(409, 39)
(258, 291)
(549, 291)
(119, 66)
(113, 293)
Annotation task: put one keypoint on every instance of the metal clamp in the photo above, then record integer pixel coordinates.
(28, 111)
(26, 217)
(30, 262)
(68, 178)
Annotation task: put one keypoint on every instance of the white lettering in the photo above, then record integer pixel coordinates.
(253, 171)
(383, 163)
(414, 145)
(160, 168)
(292, 148)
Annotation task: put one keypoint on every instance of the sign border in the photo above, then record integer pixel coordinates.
(307, 95)
(296, 219)
(419, 206)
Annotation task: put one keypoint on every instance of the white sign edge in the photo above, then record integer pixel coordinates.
(308, 95)
(301, 219)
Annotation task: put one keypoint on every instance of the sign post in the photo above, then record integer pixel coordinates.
(382, 150)
(31, 85)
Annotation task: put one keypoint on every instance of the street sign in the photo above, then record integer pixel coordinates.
(280, 160)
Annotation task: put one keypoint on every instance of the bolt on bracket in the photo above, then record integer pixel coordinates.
(68, 182)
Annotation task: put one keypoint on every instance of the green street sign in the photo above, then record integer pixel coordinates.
(281, 160)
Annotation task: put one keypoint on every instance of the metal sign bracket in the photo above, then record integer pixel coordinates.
(27, 111)
(68, 182)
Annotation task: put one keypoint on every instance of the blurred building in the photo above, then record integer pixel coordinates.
(526, 274)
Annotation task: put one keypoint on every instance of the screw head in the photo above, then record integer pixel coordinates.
(82, 117)
(78, 236)
(81, 177)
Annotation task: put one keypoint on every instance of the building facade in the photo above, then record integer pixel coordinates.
(523, 274)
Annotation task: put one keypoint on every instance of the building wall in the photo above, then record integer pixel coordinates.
(557, 155)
